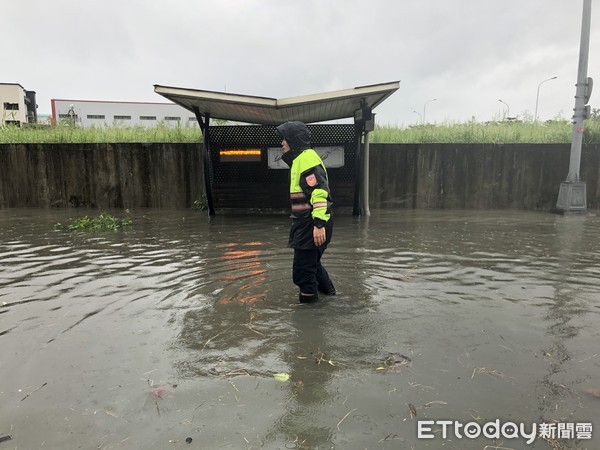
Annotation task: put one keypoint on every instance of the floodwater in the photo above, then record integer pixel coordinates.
(180, 331)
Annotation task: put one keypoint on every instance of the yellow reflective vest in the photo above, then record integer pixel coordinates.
(309, 188)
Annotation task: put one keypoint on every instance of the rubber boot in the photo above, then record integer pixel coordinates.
(327, 288)
(310, 298)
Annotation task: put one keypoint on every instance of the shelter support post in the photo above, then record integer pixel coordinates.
(358, 170)
(365, 177)
(204, 124)
(364, 122)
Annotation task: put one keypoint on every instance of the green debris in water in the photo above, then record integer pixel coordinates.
(103, 222)
(281, 376)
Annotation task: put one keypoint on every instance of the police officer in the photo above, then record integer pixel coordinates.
(312, 225)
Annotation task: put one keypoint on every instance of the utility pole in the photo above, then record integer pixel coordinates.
(572, 194)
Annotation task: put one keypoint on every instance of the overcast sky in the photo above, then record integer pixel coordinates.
(467, 54)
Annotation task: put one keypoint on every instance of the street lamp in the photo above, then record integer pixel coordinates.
(420, 115)
(507, 108)
(537, 97)
(425, 105)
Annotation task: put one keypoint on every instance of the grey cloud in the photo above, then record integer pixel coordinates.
(466, 53)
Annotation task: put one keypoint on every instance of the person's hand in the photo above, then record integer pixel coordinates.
(319, 236)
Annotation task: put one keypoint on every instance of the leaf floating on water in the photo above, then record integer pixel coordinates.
(281, 376)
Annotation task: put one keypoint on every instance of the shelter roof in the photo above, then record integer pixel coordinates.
(270, 111)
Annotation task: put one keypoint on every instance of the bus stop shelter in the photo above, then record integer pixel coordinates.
(242, 162)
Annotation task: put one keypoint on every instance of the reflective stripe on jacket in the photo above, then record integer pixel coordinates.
(309, 187)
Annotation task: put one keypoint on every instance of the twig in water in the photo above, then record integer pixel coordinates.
(589, 357)
(390, 437)
(435, 402)
(234, 373)
(321, 357)
(249, 325)
(343, 418)
(231, 382)
(35, 390)
(496, 448)
(413, 410)
(154, 395)
(486, 371)
(254, 331)
(216, 335)
(415, 385)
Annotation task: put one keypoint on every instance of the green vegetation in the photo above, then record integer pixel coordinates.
(493, 133)
(104, 222)
(65, 133)
(201, 204)
(505, 131)
(501, 132)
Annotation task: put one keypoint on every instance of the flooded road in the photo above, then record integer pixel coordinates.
(181, 332)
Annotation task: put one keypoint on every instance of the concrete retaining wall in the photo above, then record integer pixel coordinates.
(100, 175)
(522, 176)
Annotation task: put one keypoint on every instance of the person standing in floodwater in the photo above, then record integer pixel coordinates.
(312, 224)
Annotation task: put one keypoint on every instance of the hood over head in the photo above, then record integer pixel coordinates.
(296, 134)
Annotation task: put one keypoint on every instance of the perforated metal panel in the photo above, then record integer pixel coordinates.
(254, 184)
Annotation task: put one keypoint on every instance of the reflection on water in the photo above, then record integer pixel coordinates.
(175, 328)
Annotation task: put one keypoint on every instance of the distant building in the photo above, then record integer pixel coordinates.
(89, 113)
(44, 119)
(17, 105)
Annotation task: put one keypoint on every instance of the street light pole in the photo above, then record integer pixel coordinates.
(420, 115)
(425, 105)
(537, 97)
(507, 108)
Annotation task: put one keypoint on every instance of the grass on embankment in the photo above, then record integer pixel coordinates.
(556, 131)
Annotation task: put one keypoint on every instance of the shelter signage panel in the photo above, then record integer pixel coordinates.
(240, 154)
(242, 162)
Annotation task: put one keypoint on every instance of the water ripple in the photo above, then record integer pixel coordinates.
(211, 303)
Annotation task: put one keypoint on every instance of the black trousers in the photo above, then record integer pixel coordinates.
(308, 273)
